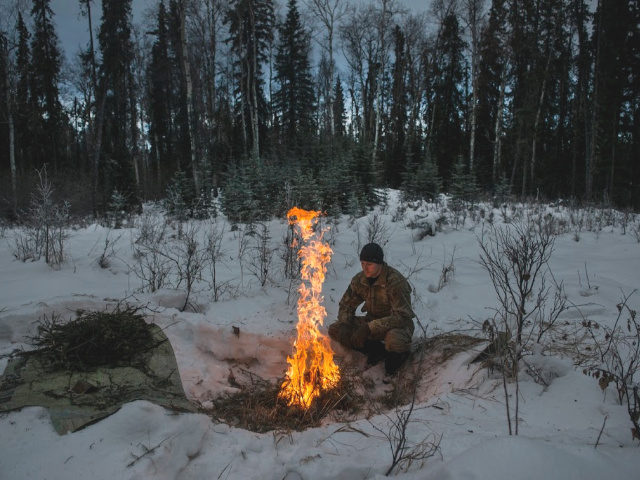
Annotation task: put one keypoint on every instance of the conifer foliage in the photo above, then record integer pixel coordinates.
(294, 97)
(252, 105)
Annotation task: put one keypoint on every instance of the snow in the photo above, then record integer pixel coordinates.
(460, 404)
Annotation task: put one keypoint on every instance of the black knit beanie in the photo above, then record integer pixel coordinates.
(372, 252)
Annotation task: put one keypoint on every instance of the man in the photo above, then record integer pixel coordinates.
(386, 330)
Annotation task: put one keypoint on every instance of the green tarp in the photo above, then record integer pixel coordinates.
(77, 399)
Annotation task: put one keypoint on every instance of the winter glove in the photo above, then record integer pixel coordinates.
(360, 335)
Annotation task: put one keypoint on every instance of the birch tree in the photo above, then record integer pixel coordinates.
(185, 69)
(250, 24)
(473, 15)
(329, 13)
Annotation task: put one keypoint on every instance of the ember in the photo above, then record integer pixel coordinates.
(311, 367)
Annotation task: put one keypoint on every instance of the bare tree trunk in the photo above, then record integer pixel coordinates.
(472, 136)
(186, 71)
(376, 125)
(243, 116)
(517, 382)
(516, 161)
(330, 100)
(213, 13)
(592, 156)
(159, 171)
(523, 191)
(271, 89)
(95, 125)
(255, 146)
(11, 124)
(355, 111)
(212, 16)
(473, 8)
(537, 120)
(497, 144)
(382, 40)
(134, 134)
(97, 147)
(244, 96)
(12, 159)
(430, 134)
(612, 172)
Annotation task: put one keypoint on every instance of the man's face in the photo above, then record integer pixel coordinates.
(370, 269)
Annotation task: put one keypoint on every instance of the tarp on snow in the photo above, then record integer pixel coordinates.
(77, 399)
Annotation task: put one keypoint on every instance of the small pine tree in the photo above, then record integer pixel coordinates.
(422, 182)
(237, 197)
(362, 172)
(335, 184)
(117, 208)
(180, 196)
(502, 190)
(463, 185)
(294, 101)
(306, 191)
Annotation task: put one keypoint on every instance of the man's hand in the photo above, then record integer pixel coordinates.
(360, 335)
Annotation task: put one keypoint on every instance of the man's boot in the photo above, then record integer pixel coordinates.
(374, 351)
(393, 361)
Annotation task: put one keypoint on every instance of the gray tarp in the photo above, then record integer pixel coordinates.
(77, 399)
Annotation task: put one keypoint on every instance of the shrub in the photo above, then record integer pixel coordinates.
(45, 231)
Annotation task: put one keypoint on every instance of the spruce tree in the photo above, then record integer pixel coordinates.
(579, 20)
(463, 186)
(339, 112)
(396, 151)
(447, 142)
(250, 24)
(629, 192)
(294, 97)
(421, 181)
(116, 82)
(493, 69)
(160, 94)
(44, 94)
(614, 24)
(7, 122)
(551, 167)
(23, 112)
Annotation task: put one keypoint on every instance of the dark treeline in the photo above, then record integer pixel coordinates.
(319, 102)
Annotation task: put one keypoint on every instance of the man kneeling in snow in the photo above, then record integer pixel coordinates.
(386, 330)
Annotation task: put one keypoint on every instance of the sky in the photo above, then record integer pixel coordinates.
(72, 28)
(569, 427)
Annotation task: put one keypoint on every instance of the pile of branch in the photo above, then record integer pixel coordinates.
(256, 406)
(93, 339)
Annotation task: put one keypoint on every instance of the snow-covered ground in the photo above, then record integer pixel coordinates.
(462, 406)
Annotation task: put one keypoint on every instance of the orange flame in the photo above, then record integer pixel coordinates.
(311, 367)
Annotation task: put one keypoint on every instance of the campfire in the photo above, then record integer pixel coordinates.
(311, 366)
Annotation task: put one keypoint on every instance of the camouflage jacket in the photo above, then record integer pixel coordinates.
(387, 302)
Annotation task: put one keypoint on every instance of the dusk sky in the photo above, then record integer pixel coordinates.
(72, 28)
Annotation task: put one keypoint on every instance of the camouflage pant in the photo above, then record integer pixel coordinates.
(395, 339)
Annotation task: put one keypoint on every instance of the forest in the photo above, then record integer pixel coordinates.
(252, 106)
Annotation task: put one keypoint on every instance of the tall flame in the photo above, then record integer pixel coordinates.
(311, 367)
